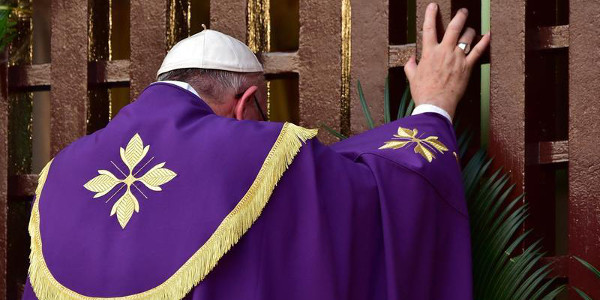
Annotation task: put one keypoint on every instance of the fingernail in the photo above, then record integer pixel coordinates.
(465, 11)
(432, 5)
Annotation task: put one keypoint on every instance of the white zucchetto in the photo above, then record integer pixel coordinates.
(210, 49)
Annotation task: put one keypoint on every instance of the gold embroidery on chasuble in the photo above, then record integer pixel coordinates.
(426, 146)
(106, 181)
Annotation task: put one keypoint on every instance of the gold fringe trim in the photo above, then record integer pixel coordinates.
(234, 225)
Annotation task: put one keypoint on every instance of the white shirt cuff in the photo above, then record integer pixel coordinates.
(423, 108)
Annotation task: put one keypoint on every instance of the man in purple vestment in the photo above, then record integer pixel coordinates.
(187, 194)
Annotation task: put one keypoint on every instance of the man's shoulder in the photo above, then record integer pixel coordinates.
(145, 182)
(416, 141)
(424, 144)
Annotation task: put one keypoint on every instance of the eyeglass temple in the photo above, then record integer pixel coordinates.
(262, 114)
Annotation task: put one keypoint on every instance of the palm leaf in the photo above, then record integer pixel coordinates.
(582, 294)
(550, 295)
(365, 108)
(593, 270)
(495, 223)
(463, 141)
(402, 109)
(410, 108)
(334, 132)
(528, 286)
(588, 266)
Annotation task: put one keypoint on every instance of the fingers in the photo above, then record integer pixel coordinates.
(429, 31)
(455, 27)
(466, 37)
(410, 67)
(478, 50)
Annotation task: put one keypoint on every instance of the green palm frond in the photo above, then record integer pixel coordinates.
(588, 266)
(406, 104)
(500, 269)
(552, 294)
(582, 294)
(334, 132)
(411, 107)
(464, 139)
(593, 270)
(386, 101)
(365, 107)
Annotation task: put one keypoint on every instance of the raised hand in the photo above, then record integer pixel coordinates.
(443, 72)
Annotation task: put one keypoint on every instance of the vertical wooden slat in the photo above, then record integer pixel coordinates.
(3, 170)
(148, 38)
(369, 59)
(507, 89)
(320, 61)
(584, 129)
(69, 56)
(229, 17)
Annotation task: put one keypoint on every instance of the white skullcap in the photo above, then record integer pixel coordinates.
(210, 49)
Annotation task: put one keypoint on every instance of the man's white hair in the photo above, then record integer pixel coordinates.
(215, 84)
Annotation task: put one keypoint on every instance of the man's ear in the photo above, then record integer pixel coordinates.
(244, 103)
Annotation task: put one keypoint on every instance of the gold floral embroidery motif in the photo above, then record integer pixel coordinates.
(427, 147)
(132, 155)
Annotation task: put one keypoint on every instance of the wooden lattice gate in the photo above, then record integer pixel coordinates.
(544, 104)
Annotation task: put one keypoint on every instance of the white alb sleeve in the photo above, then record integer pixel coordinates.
(423, 108)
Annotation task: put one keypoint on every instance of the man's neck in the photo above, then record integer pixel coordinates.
(221, 110)
(182, 84)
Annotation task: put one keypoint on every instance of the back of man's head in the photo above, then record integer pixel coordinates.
(215, 86)
(222, 70)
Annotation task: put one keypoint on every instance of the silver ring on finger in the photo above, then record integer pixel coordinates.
(465, 47)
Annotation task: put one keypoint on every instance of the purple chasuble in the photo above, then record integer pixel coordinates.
(171, 201)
